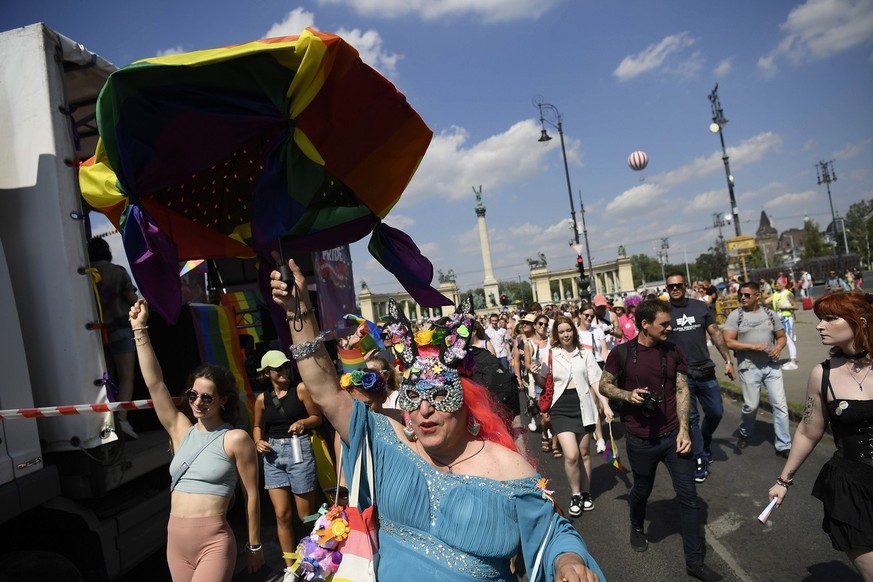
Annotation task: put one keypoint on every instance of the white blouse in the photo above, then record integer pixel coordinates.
(583, 369)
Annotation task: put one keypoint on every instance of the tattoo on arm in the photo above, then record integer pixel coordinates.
(718, 342)
(609, 389)
(809, 411)
(683, 401)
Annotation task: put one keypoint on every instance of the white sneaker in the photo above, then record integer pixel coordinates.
(127, 429)
(789, 366)
(601, 445)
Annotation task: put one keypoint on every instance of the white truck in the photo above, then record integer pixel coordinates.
(77, 501)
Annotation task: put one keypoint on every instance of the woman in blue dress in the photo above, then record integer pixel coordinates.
(455, 498)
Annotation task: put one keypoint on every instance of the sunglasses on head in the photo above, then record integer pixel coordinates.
(672, 286)
(192, 396)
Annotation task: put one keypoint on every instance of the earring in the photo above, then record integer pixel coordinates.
(473, 426)
(408, 432)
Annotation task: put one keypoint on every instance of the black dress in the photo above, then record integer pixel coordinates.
(845, 483)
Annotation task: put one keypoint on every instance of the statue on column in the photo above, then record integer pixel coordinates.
(492, 299)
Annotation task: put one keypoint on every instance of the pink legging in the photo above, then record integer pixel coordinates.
(200, 549)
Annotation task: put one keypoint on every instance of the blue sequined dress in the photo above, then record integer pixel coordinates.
(439, 526)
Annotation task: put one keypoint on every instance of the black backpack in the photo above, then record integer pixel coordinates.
(502, 384)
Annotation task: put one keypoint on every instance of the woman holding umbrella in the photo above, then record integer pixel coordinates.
(450, 479)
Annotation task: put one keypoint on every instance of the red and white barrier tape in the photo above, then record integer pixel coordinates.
(72, 409)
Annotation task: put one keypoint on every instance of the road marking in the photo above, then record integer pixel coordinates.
(724, 525)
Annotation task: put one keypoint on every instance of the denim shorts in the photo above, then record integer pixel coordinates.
(121, 342)
(281, 471)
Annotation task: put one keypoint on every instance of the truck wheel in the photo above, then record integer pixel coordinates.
(38, 565)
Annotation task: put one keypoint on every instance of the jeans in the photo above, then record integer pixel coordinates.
(708, 393)
(644, 456)
(751, 380)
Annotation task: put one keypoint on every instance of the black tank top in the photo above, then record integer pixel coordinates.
(277, 423)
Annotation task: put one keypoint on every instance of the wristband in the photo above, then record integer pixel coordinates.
(253, 549)
(782, 482)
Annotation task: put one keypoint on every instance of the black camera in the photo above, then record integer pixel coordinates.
(651, 403)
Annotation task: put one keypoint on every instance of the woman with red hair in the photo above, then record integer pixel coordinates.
(839, 392)
(456, 500)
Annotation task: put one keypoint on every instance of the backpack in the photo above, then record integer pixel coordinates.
(502, 384)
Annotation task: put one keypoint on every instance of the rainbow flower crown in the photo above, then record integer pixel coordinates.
(364, 379)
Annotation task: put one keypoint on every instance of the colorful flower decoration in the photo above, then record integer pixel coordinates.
(318, 554)
(366, 380)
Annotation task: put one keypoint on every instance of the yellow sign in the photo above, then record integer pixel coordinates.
(740, 245)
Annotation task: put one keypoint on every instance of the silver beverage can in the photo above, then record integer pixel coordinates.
(296, 450)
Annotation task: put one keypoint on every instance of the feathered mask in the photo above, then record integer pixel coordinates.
(433, 357)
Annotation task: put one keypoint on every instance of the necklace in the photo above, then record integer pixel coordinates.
(861, 382)
(449, 467)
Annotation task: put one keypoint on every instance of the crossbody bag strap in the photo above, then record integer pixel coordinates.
(190, 460)
(539, 559)
(364, 455)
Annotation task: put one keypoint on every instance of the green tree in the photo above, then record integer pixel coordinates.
(711, 265)
(859, 228)
(645, 268)
(813, 243)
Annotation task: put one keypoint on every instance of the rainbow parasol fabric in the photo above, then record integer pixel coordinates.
(224, 152)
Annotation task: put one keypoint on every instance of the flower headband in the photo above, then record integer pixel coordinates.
(366, 380)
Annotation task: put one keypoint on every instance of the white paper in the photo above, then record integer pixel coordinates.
(766, 513)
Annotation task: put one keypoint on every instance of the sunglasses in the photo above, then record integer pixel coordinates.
(588, 315)
(192, 396)
(672, 286)
(542, 323)
(746, 295)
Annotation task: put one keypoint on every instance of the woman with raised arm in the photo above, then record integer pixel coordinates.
(456, 501)
(210, 457)
(840, 392)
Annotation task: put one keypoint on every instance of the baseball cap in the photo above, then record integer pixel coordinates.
(599, 300)
(618, 303)
(273, 359)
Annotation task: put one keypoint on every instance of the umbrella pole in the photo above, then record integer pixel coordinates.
(288, 279)
(284, 269)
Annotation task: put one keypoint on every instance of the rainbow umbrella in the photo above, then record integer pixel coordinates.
(225, 152)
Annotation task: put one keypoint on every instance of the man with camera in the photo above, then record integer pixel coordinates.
(649, 375)
(692, 320)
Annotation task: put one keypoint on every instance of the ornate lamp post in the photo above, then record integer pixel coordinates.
(718, 123)
(554, 119)
(824, 173)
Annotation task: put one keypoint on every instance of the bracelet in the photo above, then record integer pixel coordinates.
(253, 549)
(141, 341)
(139, 328)
(780, 481)
(307, 349)
(296, 316)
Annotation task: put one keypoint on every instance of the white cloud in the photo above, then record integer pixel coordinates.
(293, 24)
(176, 50)
(652, 57)
(723, 68)
(368, 42)
(705, 201)
(451, 167)
(793, 199)
(851, 150)
(489, 11)
(636, 198)
(820, 29)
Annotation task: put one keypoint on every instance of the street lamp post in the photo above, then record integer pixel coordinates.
(717, 125)
(825, 174)
(587, 246)
(547, 109)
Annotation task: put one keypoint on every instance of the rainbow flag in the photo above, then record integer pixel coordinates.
(611, 454)
(246, 306)
(219, 344)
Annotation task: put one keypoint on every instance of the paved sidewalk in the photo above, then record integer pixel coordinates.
(810, 352)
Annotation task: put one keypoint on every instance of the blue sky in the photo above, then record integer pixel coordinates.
(795, 81)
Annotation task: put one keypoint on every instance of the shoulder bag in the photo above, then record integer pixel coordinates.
(548, 389)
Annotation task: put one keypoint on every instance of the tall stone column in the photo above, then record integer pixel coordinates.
(489, 283)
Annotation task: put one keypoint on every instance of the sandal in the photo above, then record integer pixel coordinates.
(556, 453)
(546, 445)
